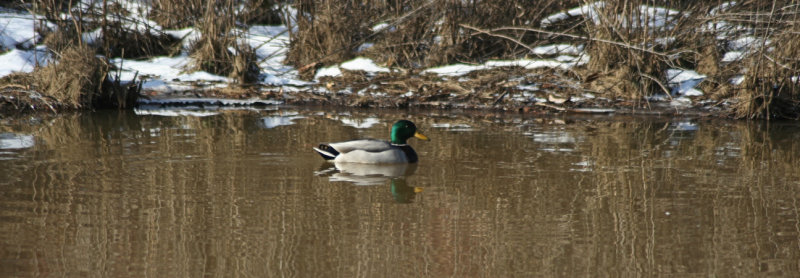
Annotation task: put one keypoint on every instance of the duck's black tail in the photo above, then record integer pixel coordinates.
(327, 152)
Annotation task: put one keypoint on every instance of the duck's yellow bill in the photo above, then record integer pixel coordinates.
(420, 136)
(417, 189)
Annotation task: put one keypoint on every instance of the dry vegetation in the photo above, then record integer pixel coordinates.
(628, 54)
(77, 79)
(417, 33)
(211, 52)
(217, 22)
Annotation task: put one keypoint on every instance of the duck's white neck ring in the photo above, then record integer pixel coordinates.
(399, 145)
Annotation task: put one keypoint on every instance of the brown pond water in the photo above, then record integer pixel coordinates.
(240, 193)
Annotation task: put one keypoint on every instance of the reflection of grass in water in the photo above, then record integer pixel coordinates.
(675, 206)
(525, 215)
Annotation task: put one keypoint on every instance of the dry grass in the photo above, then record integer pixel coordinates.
(75, 79)
(177, 14)
(120, 41)
(78, 79)
(328, 33)
(628, 56)
(633, 54)
(120, 34)
(219, 34)
(771, 86)
(418, 33)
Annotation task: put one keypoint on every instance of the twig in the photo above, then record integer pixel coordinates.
(551, 106)
(625, 45)
(395, 22)
(481, 31)
(659, 84)
(499, 99)
(777, 63)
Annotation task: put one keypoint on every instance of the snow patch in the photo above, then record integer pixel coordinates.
(682, 82)
(555, 49)
(12, 141)
(744, 43)
(208, 101)
(382, 26)
(656, 17)
(363, 64)
(588, 10)
(17, 29)
(737, 80)
(724, 7)
(462, 69)
(21, 61)
(332, 71)
(732, 56)
(173, 112)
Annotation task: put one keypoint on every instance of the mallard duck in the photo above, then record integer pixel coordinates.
(375, 151)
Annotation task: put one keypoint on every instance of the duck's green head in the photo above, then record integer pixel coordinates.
(404, 129)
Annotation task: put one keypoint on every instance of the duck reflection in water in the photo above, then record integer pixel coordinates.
(403, 193)
(374, 174)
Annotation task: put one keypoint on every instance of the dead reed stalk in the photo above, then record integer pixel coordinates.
(220, 49)
(177, 14)
(771, 85)
(78, 79)
(327, 31)
(412, 33)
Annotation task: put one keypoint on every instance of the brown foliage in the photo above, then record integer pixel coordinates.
(771, 86)
(628, 56)
(327, 31)
(211, 52)
(176, 14)
(418, 33)
(75, 79)
(119, 41)
(78, 79)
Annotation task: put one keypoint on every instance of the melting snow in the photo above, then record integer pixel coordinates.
(174, 112)
(10, 140)
(360, 63)
(588, 10)
(17, 29)
(732, 56)
(364, 64)
(657, 17)
(21, 60)
(209, 101)
(329, 71)
(682, 82)
(555, 49)
(461, 69)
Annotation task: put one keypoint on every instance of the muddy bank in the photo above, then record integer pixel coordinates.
(510, 90)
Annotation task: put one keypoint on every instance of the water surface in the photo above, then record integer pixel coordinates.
(166, 193)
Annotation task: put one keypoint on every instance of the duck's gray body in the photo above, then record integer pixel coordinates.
(367, 151)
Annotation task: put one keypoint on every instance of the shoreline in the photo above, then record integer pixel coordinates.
(575, 57)
(26, 102)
